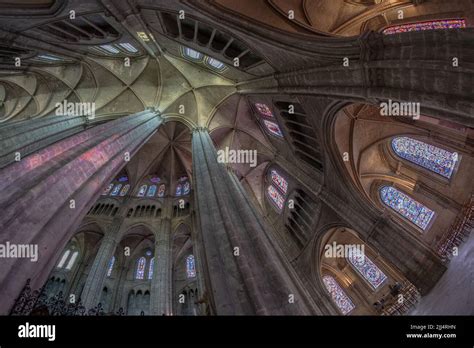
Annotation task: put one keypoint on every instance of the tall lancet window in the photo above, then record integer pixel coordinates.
(342, 301)
(116, 190)
(107, 190)
(366, 268)
(162, 190)
(428, 25)
(141, 264)
(407, 207)
(111, 266)
(72, 260)
(183, 187)
(63, 259)
(279, 181)
(124, 190)
(265, 115)
(142, 191)
(150, 269)
(277, 189)
(276, 197)
(428, 156)
(151, 191)
(190, 266)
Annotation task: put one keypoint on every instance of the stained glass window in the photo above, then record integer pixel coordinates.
(150, 270)
(116, 190)
(279, 181)
(276, 197)
(183, 178)
(192, 54)
(107, 190)
(142, 191)
(125, 190)
(428, 156)
(161, 190)
(111, 266)
(273, 128)
(140, 274)
(190, 266)
(72, 260)
(155, 179)
(151, 191)
(64, 258)
(123, 178)
(406, 206)
(430, 25)
(366, 268)
(179, 190)
(264, 110)
(186, 188)
(342, 301)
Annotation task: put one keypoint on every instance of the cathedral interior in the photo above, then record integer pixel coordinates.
(224, 157)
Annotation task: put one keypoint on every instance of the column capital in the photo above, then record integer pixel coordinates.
(200, 129)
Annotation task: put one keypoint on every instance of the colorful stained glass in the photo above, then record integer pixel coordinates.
(151, 191)
(107, 190)
(142, 191)
(140, 274)
(190, 266)
(123, 178)
(425, 155)
(125, 190)
(279, 181)
(179, 190)
(276, 197)
(366, 268)
(273, 128)
(116, 190)
(161, 190)
(150, 269)
(342, 301)
(430, 25)
(264, 110)
(183, 178)
(155, 179)
(186, 188)
(111, 266)
(406, 206)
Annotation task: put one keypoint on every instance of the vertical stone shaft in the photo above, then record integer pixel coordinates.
(161, 284)
(95, 279)
(244, 271)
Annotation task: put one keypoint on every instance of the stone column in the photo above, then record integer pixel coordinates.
(161, 284)
(46, 195)
(93, 286)
(245, 274)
